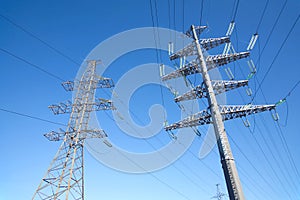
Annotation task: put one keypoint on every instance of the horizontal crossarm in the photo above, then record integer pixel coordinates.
(101, 83)
(84, 134)
(198, 29)
(227, 112)
(212, 62)
(210, 43)
(207, 44)
(221, 59)
(99, 104)
(219, 87)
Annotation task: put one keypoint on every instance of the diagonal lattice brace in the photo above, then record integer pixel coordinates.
(77, 106)
(212, 62)
(188, 50)
(207, 44)
(101, 83)
(227, 112)
(221, 59)
(199, 30)
(84, 134)
(210, 43)
(219, 86)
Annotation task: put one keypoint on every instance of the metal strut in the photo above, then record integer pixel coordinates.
(227, 113)
(212, 63)
(219, 87)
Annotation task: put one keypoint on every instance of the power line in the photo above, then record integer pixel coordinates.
(157, 25)
(252, 165)
(264, 154)
(272, 30)
(240, 167)
(183, 16)
(261, 149)
(39, 39)
(235, 9)
(274, 59)
(179, 143)
(48, 73)
(31, 64)
(158, 53)
(272, 140)
(262, 16)
(292, 90)
(289, 180)
(284, 99)
(290, 158)
(169, 18)
(153, 147)
(147, 172)
(31, 117)
(286, 170)
(201, 11)
(154, 33)
(156, 177)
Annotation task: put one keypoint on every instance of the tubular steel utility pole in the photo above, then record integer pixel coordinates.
(231, 175)
(216, 114)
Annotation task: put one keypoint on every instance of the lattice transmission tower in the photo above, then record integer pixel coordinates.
(219, 195)
(215, 114)
(64, 178)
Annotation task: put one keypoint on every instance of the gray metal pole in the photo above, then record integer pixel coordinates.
(231, 175)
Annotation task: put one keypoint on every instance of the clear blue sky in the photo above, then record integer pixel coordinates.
(75, 28)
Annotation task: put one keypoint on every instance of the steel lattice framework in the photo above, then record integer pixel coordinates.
(219, 87)
(216, 114)
(212, 62)
(64, 178)
(227, 112)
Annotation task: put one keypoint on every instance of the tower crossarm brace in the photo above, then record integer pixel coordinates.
(221, 59)
(210, 43)
(85, 134)
(207, 44)
(212, 62)
(227, 112)
(219, 86)
(198, 29)
(102, 82)
(99, 104)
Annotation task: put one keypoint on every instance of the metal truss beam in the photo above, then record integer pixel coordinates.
(206, 44)
(219, 86)
(210, 43)
(212, 62)
(189, 50)
(198, 29)
(221, 59)
(84, 134)
(101, 83)
(99, 104)
(227, 112)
